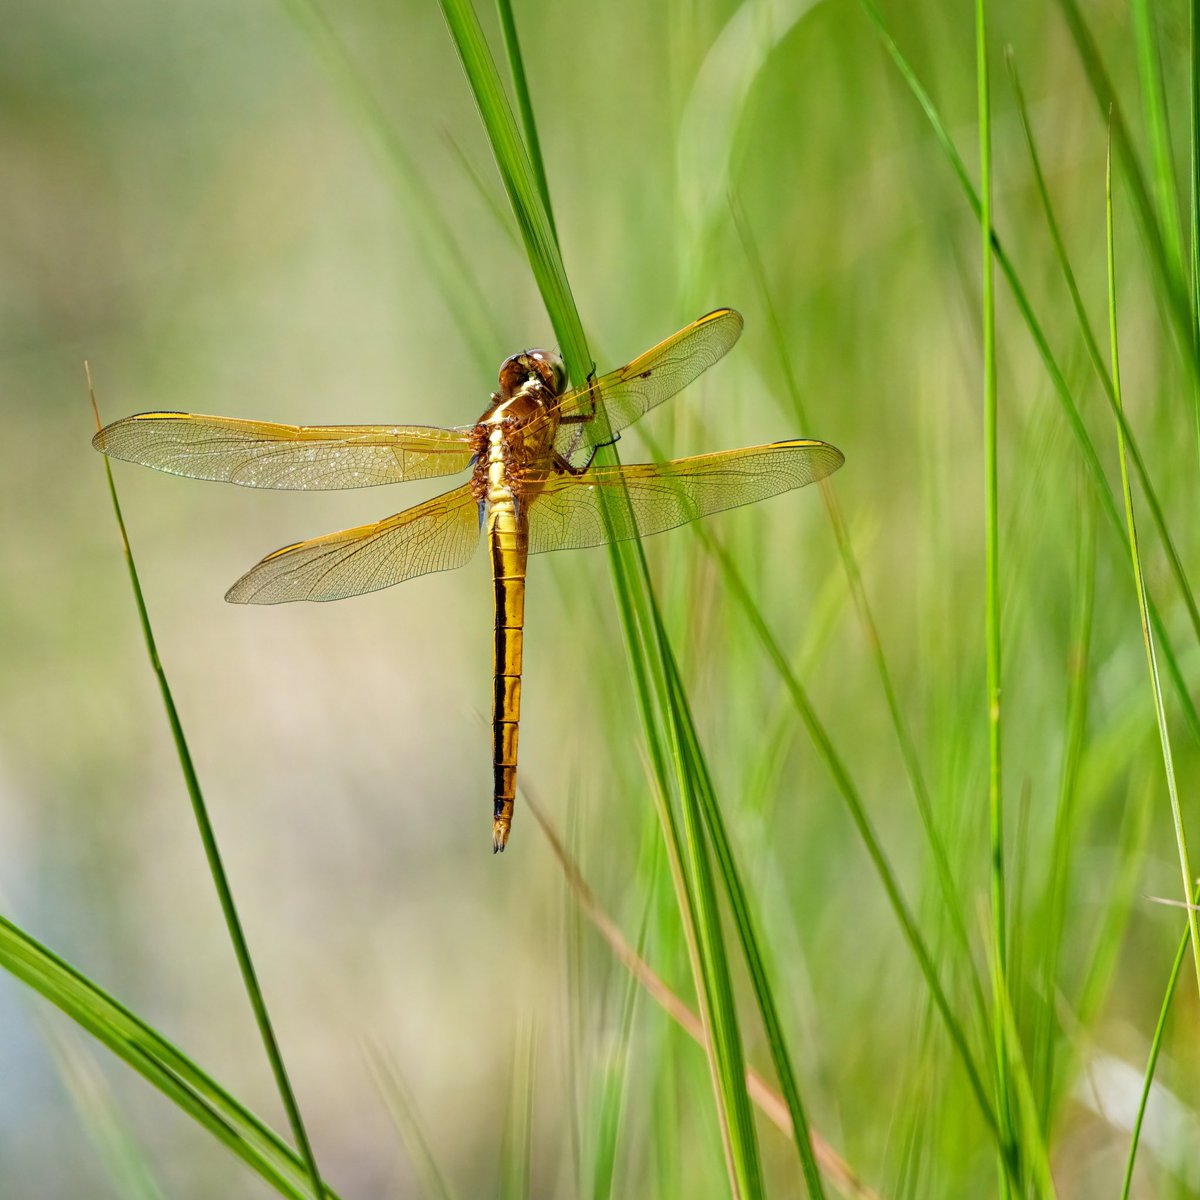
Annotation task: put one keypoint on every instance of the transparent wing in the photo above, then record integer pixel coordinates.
(294, 457)
(631, 391)
(567, 513)
(439, 535)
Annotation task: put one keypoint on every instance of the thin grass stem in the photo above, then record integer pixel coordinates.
(999, 890)
(1135, 556)
(1156, 1042)
(212, 853)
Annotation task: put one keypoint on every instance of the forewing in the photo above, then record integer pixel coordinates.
(294, 457)
(631, 391)
(569, 511)
(439, 535)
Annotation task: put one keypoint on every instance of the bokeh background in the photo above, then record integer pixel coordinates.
(194, 201)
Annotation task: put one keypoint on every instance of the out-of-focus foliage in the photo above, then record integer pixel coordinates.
(195, 202)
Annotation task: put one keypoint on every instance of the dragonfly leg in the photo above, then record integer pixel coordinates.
(563, 464)
(584, 417)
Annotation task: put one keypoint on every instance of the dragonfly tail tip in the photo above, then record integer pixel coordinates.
(499, 836)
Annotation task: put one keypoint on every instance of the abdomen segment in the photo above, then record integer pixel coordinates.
(507, 545)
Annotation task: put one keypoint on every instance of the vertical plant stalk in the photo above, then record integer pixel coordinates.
(1160, 713)
(638, 612)
(211, 852)
(1000, 997)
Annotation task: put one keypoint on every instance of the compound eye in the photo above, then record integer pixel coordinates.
(513, 373)
(551, 369)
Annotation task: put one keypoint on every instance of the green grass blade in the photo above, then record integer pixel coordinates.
(1033, 1146)
(157, 1060)
(999, 891)
(512, 47)
(1156, 1042)
(407, 1120)
(641, 627)
(1194, 190)
(1135, 556)
(212, 853)
(1054, 921)
(1098, 362)
(1154, 99)
(1062, 391)
(520, 182)
(872, 636)
(871, 841)
(752, 948)
(1166, 271)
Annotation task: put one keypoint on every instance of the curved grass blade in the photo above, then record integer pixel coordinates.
(1160, 712)
(714, 825)
(211, 852)
(158, 1061)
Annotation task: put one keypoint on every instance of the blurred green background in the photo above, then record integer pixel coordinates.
(194, 202)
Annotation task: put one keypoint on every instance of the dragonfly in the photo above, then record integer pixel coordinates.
(534, 486)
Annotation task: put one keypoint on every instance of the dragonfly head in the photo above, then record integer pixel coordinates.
(533, 366)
